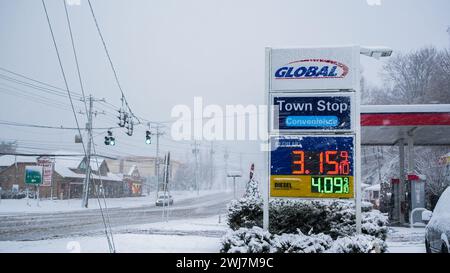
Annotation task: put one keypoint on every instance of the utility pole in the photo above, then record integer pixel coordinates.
(166, 194)
(85, 197)
(195, 151)
(211, 160)
(157, 161)
(84, 202)
(226, 156)
(240, 162)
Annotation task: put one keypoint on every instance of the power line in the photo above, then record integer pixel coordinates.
(40, 154)
(31, 94)
(110, 60)
(58, 93)
(107, 223)
(36, 87)
(56, 155)
(76, 58)
(63, 73)
(27, 98)
(34, 80)
(47, 126)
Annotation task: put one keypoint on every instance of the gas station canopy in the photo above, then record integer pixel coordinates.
(427, 124)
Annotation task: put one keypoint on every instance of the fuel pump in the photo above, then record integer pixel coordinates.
(416, 194)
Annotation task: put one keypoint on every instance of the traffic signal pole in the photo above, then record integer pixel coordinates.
(157, 161)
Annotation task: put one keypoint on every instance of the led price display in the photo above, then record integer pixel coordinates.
(312, 166)
(333, 184)
(318, 163)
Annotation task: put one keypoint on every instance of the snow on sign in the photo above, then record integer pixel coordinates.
(313, 112)
(47, 168)
(300, 69)
(312, 166)
(33, 175)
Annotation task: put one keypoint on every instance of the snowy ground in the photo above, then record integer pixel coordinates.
(406, 240)
(182, 235)
(11, 206)
(193, 235)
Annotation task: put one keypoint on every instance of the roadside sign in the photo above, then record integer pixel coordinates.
(33, 175)
(234, 174)
(313, 112)
(47, 170)
(312, 166)
(305, 69)
(314, 130)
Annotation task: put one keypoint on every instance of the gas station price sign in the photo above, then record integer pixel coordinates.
(312, 166)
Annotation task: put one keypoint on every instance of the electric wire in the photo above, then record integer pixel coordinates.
(110, 60)
(62, 72)
(106, 222)
(37, 81)
(18, 124)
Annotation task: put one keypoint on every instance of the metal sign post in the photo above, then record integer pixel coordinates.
(234, 175)
(314, 135)
(33, 176)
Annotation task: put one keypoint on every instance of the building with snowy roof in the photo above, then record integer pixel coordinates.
(67, 177)
(372, 194)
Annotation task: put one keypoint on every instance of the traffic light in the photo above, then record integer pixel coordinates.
(122, 117)
(109, 139)
(129, 126)
(148, 137)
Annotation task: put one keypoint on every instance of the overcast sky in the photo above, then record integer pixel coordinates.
(166, 52)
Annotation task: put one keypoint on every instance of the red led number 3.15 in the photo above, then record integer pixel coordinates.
(334, 162)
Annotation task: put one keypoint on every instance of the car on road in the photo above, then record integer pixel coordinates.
(164, 200)
(437, 231)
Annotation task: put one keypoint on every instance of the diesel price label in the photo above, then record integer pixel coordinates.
(225, 264)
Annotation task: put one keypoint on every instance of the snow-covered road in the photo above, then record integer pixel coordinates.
(41, 226)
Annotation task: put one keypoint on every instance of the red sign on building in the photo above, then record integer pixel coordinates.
(47, 170)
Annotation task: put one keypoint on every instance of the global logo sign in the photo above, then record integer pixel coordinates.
(312, 69)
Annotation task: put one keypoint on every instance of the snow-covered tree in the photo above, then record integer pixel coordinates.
(252, 189)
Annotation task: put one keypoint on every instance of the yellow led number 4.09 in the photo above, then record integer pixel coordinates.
(305, 167)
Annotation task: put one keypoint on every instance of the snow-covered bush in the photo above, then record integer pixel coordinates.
(286, 216)
(360, 243)
(256, 240)
(366, 206)
(245, 213)
(375, 223)
(300, 243)
(247, 240)
(342, 222)
(332, 217)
